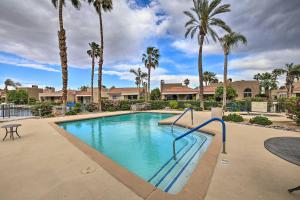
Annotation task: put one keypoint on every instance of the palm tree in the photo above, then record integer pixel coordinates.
(202, 22)
(291, 72)
(63, 46)
(139, 77)
(186, 82)
(209, 77)
(93, 52)
(229, 41)
(99, 5)
(151, 60)
(268, 81)
(83, 88)
(9, 82)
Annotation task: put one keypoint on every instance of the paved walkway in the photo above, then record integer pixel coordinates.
(44, 165)
(248, 171)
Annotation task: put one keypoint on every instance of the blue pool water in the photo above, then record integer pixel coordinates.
(139, 144)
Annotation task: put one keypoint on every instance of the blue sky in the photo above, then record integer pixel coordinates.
(29, 51)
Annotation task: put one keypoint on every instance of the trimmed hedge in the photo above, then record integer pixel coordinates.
(233, 118)
(124, 105)
(261, 120)
(108, 105)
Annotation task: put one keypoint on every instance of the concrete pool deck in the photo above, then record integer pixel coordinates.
(45, 165)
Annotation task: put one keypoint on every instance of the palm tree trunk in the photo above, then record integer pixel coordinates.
(92, 78)
(149, 75)
(139, 88)
(100, 61)
(225, 81)
(63, 56)
(6, 93)
(200, 71)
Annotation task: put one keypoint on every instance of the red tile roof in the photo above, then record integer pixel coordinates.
(124, 90)
(185, 89)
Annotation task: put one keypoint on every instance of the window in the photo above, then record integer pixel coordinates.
(247, 92)
(132, 97)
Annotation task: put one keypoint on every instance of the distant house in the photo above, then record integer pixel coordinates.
(125, 93)
(33, 91)
(177, 91)
(283, 92)
(85, 97)
(50, 95)
(245, 88)
(2, 95)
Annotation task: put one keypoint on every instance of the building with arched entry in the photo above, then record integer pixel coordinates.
(177, 91)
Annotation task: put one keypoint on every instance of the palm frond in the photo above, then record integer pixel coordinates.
(213, 5)
(221, 9)
(54, 2)
(76, 4)
(219, 23)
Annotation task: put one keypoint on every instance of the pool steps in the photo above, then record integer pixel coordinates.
(171, 171)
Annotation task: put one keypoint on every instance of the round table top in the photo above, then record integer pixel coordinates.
(287, 148)
(11, 125)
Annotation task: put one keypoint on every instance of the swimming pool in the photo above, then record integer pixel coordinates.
(139, 144)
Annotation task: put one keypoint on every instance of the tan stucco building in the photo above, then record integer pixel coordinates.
(177, 91)
(85, 97)
(33, 91)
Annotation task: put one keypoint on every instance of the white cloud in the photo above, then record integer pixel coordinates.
(25, 63)
(265, 60)
(32, 33)
(191, 47)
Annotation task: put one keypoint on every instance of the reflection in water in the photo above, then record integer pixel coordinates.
(100, 139)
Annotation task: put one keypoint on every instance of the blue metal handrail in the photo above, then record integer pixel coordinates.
(200, 126)
(192, 117)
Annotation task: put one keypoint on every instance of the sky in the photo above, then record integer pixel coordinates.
(29, 46)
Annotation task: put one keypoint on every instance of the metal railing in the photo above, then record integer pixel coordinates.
(10, 110)
(192, 117)
(200, 126)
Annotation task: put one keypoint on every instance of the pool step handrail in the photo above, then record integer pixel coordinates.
(186, 110)
(201, 126)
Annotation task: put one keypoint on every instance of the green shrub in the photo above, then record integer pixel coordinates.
(42, 108)
(91, 107)
(123, 105)
(32, 101)
(17, 97)
(155, 94)
(211, 103)
(261, 120)
(77, 108)
(233, 118)
(173, 104)
(187, 105)
(231, 93)
(71, 112)
(157, 105)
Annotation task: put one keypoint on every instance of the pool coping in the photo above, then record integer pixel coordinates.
(196, 187)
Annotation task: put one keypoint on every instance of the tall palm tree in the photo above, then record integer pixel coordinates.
(63, 46)
(268, 81)
(9, 82)
(93, 52)
(229, 41)
(106, 6)
(209, 77)
(291, 72)
(139, 77)
(202, 21)
(150, 60)
(186, 82)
